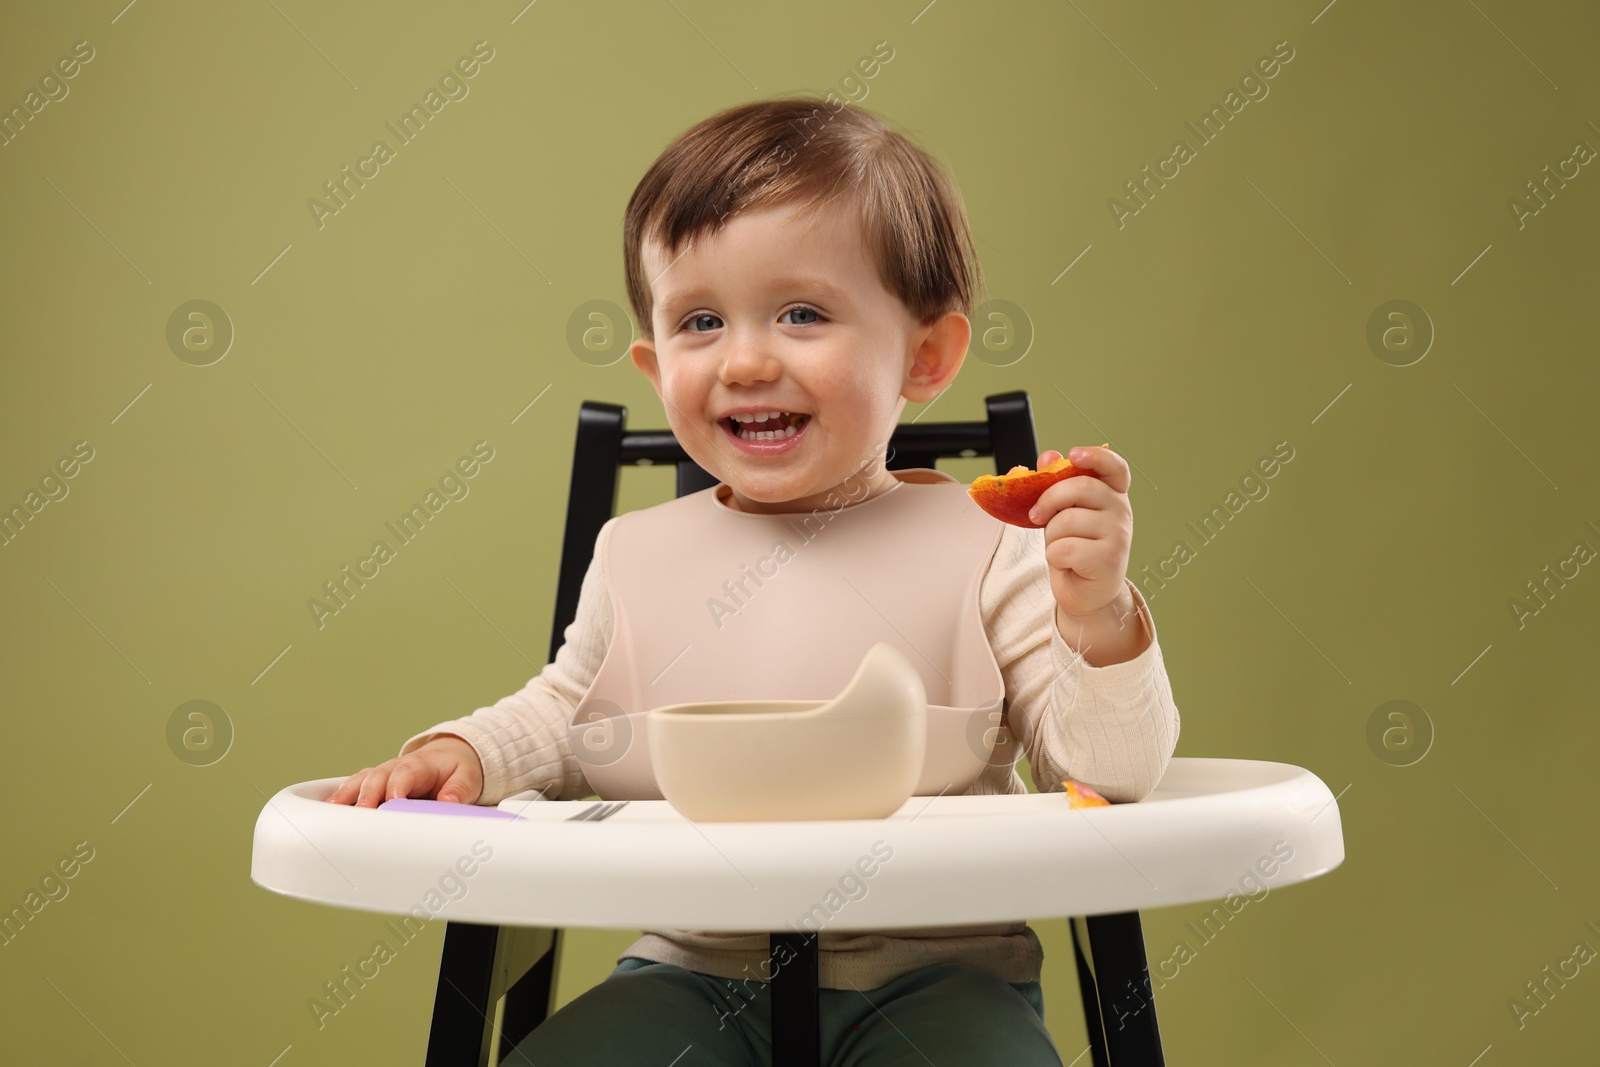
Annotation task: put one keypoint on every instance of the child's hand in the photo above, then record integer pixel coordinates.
(1088, 531)
(446, 766)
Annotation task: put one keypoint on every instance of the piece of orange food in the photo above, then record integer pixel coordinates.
(1010, 496)
(1081, 796)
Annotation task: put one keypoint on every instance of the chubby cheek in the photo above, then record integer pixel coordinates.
(869, 394)
(852, 379)
(682, 394)
(684, 398)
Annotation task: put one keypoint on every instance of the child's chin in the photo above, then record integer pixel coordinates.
(766, 492)
(769, 493)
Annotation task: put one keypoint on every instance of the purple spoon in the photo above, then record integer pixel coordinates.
(442, 807)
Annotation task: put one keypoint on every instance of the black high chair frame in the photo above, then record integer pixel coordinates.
(480, 964)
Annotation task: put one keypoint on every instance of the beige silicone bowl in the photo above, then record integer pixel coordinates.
(857, 756)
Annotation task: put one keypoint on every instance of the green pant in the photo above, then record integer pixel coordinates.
(648, 1014)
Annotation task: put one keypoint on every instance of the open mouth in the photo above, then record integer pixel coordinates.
(786, 425)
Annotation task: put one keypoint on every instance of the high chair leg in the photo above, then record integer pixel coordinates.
(796, 1004)
(1090, 995)
(478, 965)
(1118, 1002)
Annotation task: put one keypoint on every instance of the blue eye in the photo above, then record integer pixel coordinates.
(689, 322)
(805, 310)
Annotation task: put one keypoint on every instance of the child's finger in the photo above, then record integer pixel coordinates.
(1106, 465)
(1093, 493)
(400, 782)
(371, 794)
(349, 791)
(422, 778)
(455, 790)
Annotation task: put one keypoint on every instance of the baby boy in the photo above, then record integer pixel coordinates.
(801, 272)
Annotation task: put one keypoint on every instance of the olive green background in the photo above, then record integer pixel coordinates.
(1229, 314)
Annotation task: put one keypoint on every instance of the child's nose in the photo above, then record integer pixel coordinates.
(749, 359)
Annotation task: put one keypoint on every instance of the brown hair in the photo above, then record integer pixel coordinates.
(800, 150)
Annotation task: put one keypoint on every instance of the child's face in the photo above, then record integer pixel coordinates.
(773, 313)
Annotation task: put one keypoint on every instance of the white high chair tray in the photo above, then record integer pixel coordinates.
(1212, 827)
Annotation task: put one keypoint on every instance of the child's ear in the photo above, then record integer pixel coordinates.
(937, 356)
(643, 354)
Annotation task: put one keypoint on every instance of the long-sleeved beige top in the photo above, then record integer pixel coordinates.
(1113, 728)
